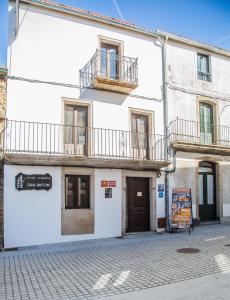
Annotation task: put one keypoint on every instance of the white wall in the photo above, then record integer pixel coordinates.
(34, 217)
(108, 219)
(182, 61)
(52, 46)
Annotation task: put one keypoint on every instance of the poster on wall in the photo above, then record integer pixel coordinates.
(181, 208)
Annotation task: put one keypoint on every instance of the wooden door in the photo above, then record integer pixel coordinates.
(138, 204)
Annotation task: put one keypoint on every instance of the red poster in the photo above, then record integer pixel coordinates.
(112, 183)
(104, 183)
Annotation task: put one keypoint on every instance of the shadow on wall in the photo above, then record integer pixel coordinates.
(103, 96)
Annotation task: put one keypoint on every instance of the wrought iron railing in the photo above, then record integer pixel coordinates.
(24, 137)
(199, 132)
(204, 76)
(111, 66)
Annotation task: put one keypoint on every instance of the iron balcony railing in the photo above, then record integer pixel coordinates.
(199, 132)
(109, 65)
(204, 76)
(24, 137)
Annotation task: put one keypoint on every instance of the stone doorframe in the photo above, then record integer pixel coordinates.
(152, 196)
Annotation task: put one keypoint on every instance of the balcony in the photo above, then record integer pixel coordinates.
(54, 144)
(109, 71)
(204, 76)
(193, 136)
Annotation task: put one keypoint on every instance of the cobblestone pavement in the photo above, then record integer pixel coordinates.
(101, 268)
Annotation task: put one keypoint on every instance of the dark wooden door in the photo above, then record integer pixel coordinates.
(207, 192)
(138, 204)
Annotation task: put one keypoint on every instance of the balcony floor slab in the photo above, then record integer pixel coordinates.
(200, 148)
(82, 161)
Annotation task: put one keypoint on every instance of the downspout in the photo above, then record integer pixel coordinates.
(165, 116)
(167, 148)
(16, 29)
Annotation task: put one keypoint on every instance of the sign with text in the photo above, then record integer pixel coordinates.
(104, 183)
(33, 182)
(108, 183)
(112, 183)
(181, 207)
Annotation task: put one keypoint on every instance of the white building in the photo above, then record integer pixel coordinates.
(89, 98)
(102, 144)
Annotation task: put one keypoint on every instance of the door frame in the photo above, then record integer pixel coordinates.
(214, 173)
(152, 196)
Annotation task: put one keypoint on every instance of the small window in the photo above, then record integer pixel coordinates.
(203, 67)
(77, 191)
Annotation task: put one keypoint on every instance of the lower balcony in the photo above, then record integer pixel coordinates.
(55, 144)
(193, 136)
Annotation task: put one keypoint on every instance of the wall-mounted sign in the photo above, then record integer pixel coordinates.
(112, 183)
(108, 183)
(161, 195)
(104, 183)
(139, 194)
(161, 187)
(108, 192)
(33, 182)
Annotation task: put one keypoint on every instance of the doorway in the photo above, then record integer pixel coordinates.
(207, 191)
(138, 204)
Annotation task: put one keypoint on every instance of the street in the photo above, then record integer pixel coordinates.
(140, 266)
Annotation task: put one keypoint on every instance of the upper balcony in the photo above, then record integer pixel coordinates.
(55, 144)
(107, 70)
(202, 137)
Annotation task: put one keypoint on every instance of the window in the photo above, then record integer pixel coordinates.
(139, 133)
(109, 61)
(203, 67)
(206, 123)
(76, 119)
(77, 191)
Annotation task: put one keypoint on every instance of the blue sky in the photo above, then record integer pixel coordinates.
(203, 20)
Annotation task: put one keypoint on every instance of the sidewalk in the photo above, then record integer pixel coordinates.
(114, 267)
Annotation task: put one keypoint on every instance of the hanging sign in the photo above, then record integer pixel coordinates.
(181, 207)
(33, 182)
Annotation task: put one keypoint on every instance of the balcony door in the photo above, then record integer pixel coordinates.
(76, 123)
(139, 132)
(207, 191)
(206, 123)
(109, 61)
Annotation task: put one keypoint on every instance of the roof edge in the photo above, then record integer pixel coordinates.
(194, 43)
(122, 24)
(90, 15)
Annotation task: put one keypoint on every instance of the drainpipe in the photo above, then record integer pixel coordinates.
(165, 115)
(16, 17)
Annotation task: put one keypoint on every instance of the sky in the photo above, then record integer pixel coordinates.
(202, 20)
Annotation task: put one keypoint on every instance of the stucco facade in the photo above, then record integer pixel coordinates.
(86, 106)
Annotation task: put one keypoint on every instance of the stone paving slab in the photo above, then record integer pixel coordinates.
(102, 268)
